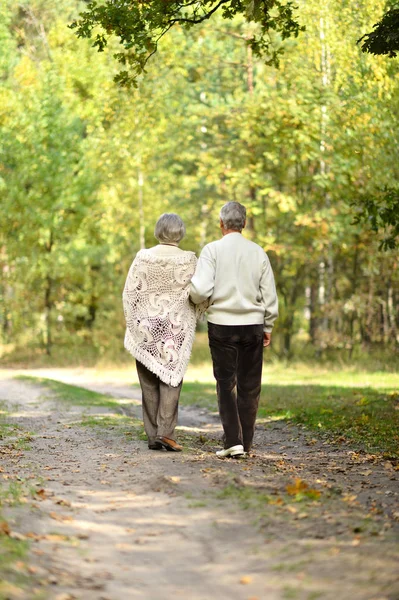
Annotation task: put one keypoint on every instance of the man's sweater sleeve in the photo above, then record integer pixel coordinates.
(269, 295)
(203, 280)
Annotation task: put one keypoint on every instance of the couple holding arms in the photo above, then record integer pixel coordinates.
(166, 291)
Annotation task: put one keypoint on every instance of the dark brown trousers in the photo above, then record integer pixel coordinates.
(237, 355)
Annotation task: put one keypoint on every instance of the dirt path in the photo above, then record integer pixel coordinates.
(110, 520)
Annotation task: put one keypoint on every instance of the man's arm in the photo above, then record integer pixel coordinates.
(203, 280)
(269, 300)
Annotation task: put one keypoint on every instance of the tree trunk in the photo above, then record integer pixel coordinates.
(391, 313)
(93, 304)
(313, 320)
(140, 180)
(354, 288)
(4, 292)
(48, 315)
(48, 304)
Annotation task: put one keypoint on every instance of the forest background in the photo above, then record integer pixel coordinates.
(86, 168)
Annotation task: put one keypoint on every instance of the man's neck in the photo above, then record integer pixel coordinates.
(227, 231)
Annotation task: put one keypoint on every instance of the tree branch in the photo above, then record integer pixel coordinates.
(201, 19)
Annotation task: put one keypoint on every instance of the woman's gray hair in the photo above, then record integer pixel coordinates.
(169, 229)
(233, 215)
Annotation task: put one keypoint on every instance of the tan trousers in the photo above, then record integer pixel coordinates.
(160, 404)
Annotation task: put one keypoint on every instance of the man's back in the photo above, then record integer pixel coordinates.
(236, 274)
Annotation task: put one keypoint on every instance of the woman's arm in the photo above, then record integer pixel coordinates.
(203, 281)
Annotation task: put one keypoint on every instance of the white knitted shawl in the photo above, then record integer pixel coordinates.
(160, 318)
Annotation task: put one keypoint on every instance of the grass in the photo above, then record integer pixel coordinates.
(13, 577)
(106, 421)
(368, 416)
(79, 396)
(74, 395)
(248, 497)
(346, 403)
(343, 401)
(6, 429)
(130, 426)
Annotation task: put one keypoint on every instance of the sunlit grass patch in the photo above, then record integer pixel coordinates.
(367, 416)
(247, 496)
(199, 394)
(107, 421)
(13, 577)
(7, 429)
(331, 403)
(121, 424)
(73, 394)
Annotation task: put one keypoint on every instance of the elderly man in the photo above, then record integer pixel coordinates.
(235, 274)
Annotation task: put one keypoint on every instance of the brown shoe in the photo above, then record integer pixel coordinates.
(155, 446)
(169, 444)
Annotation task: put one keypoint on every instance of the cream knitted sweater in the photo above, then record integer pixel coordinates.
(160, 319)
(235, 274)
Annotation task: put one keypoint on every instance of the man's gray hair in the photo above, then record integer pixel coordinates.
(233, 215)
(169, 229)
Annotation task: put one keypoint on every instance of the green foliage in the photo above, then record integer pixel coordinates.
(384, 39)
(87, 167)
(381, 211)
(140, 26)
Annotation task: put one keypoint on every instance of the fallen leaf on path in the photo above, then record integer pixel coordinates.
(58, 517)
(300, 490)
(292, 509)
(124, 546)
(278, 501)
(9, 590)
(43, 494)
(366, 473)
(349, 498)
(173, 478)
(63, 502)
(17, 536)
(245, 580)
(56, 537)
(4, 528)
(33, 536)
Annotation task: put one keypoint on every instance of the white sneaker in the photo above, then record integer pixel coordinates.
(232, 451)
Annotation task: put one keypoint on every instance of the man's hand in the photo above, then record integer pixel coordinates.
(267, 339)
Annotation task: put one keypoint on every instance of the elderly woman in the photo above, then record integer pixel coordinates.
(160, 327)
